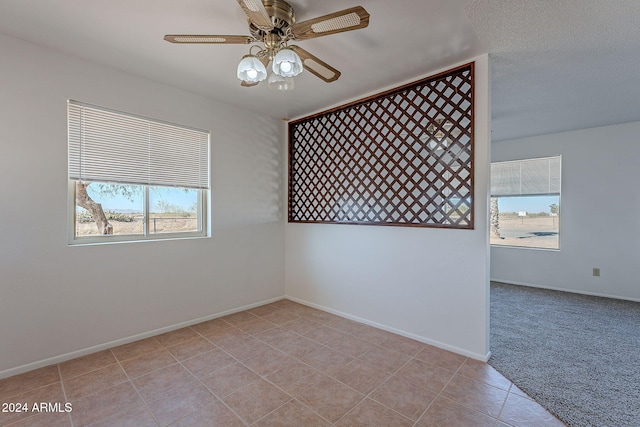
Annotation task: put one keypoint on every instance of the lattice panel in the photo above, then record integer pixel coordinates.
(404, 157)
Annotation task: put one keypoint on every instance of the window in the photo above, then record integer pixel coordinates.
(525, 203)
(403, 157)
(132, 178)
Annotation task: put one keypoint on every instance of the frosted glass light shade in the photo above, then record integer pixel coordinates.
(250, 69)
(287, 63)
(277, 82)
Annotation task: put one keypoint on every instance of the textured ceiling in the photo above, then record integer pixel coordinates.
(557, 65)
(560, 65)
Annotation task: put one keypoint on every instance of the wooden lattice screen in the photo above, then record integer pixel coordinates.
(403, 157)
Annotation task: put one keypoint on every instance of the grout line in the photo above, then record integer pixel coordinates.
(136, 389)
(64, 393)
(505, 402)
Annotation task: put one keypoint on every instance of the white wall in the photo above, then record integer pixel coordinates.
(56, 300)
(426, 283)
(599, 221)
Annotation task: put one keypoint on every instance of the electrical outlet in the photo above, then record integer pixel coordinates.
(596, 272)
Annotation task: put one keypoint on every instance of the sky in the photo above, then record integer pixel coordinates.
(533, 204)
(173, 196)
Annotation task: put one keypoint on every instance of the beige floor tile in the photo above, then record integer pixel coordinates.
(88, 363)
(325, 334)
(330, 399)
(523, 412)
(515, 390)
(221, 334)
(385, 359)
(295, 378)
(240, 317)
(301, 325)
(147, 362)
(157, 382)
(319, 316)
(281, 317)
(44, 420)
(214, 415)
(476, 395)
(481, 371)
(372, 414)
(191, 348)
(274, 335)
(210, 326)
(175, 403)
(442, 358)
(446, 413)
(300, 309)
(256, 400)
(94, 381)
(176, 337)
(28, 381)
(254, 326)
(229, 379)
(365, 332)
(204, 364)
(263, 310)
(403, 397)
(268, 361)
(350, 346)
(136, 348)
(403, 345)
(243, 346)
(311, 368)
(51, 393)
(341, 323)
(425, 375)
(104, 404)
(295, 345)
(135, 416)
(361, 376)
(292, 414)
(326, 360)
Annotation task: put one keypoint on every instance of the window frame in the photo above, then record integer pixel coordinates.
(202, 191)
(145, 236)
(541, 194)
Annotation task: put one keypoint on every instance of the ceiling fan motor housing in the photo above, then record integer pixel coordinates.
(282, 17)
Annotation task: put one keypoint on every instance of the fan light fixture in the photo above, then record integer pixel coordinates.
(287, 63)
(277, 82)
(251, 70)
(272, 24)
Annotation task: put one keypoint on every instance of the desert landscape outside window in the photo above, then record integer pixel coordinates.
(525, 203)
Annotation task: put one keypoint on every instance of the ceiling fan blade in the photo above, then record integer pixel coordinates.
(208, 39)
(337, 22)
(257, 14)
(316, 66)
(248, 84)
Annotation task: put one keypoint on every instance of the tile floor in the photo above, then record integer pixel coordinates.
(282, 364)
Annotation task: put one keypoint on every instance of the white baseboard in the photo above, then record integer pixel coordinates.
(476, 356)
(573, 291)
(85, 351)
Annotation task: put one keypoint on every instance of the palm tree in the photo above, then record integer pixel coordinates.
(494, 214)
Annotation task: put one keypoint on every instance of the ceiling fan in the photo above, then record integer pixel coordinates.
(272, 23)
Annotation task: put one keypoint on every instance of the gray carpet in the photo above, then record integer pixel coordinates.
(577, 355)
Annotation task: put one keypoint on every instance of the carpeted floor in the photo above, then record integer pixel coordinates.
(577, 355)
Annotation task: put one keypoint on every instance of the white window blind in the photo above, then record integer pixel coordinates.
(531, 177)
(108, 146)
